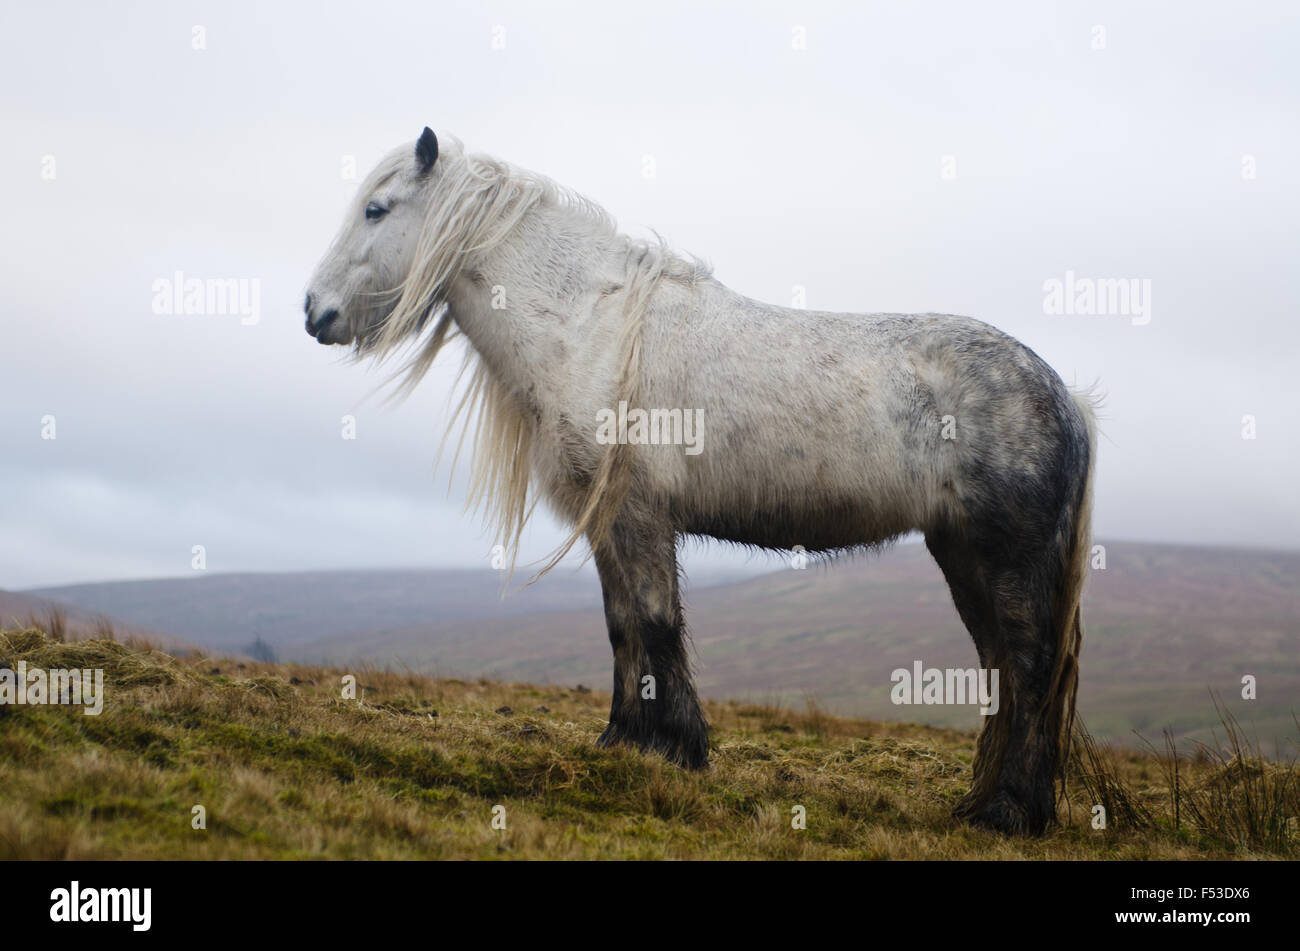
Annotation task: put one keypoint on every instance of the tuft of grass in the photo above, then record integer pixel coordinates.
(124, 665)
(284, 766)
(1227, 797)
(816, 720)
(1098, 769)
(54, 623)
(103, 629)
(1246, 800)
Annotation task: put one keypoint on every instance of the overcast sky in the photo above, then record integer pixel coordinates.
(909, 157)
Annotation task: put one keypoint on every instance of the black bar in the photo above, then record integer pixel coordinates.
(935, 899)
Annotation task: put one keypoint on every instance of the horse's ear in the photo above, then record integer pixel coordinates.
(426, 150)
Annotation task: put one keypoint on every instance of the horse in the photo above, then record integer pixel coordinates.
(830, 431)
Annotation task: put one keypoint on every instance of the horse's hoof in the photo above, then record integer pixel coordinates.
(688, 752)
(1004, 815)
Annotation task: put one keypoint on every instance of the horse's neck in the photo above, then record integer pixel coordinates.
(526, 308)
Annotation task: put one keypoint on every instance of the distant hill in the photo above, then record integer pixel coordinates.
(1163, 626)
(228, 611)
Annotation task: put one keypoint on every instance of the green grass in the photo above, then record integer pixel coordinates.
(285, 767)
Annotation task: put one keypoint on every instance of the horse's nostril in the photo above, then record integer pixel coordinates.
(306, 306)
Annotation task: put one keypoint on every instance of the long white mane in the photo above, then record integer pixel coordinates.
(478, 203)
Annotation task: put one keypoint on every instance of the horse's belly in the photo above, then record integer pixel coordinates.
(817, 502)
(823, 528)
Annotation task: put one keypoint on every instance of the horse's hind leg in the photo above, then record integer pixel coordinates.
(1023, 738)
(970, 592)
(1006, 598)
(963, 569)
(637, 562)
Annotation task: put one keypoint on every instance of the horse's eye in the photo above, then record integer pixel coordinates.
(375, 212)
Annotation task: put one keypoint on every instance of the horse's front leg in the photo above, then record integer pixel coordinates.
(655, 706)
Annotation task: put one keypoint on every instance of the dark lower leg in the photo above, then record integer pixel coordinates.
(1007, 614)
(655, 706)
(1019, 789)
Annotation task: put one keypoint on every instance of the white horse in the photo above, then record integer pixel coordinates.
(591, 353)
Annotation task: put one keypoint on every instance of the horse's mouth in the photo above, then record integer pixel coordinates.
(329, 329)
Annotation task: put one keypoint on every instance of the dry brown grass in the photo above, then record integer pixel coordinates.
(286, 767)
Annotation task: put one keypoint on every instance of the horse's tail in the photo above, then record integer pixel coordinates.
(1076, 543)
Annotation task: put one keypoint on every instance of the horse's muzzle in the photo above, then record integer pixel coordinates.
(318, 324)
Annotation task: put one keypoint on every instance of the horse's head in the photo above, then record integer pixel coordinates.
(358, 284)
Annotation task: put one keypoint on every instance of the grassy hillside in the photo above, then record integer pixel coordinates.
(285, 767)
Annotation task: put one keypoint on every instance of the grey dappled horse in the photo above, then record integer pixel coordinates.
(823, 430)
